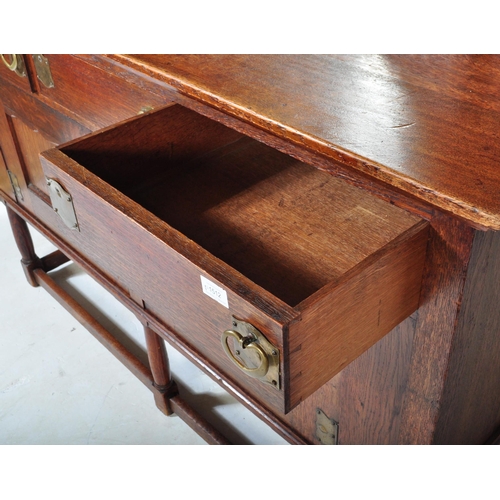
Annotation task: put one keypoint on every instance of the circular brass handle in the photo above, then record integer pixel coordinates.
(246, 343)
(12, 65)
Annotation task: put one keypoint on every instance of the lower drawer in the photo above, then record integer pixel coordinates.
(276, 272)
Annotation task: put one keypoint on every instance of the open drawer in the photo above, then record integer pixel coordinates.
(276, 272)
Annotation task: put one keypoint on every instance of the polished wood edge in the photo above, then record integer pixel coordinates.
(280, 427)
(354, 316)
(375, 187)
(460, 208)
(390, 194)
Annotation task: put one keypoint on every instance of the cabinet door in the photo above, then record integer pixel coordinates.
(30, 143)
(6, 187)
(28, 127)
(11, 171)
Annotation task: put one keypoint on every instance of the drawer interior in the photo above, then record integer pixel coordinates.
(287, 226)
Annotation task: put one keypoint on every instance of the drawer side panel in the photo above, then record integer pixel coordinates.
(351, 316)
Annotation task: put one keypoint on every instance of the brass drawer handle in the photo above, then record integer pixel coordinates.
(252, 348)
(246, 343)
(12, 65)
(16, 64)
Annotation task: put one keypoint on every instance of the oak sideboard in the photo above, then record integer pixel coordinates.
(318, 233)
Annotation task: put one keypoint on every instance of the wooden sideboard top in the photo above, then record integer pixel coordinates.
(428, 125)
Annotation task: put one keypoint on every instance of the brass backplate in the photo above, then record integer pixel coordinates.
(43, 70)
(62, 203)
(21, 68)
(327, 429)
(250, 359)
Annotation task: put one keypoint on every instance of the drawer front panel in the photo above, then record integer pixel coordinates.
(18, 75)
(93, 96)
(166, 282)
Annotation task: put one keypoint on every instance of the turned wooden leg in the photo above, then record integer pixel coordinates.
(165, 387)
(22, 236)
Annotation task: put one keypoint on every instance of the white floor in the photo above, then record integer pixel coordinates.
(59, 385)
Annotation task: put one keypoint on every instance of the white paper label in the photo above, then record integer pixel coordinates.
(214, 291)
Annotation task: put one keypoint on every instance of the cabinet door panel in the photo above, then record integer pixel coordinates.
(30, 144)
(10, 160)
(28, 127)
(5, 185)
(39, 116)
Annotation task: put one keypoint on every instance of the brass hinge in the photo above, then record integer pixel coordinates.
(327, 429)
(15, 186)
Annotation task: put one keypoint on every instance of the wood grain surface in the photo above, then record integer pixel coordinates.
(419, 132)
(427, 125)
